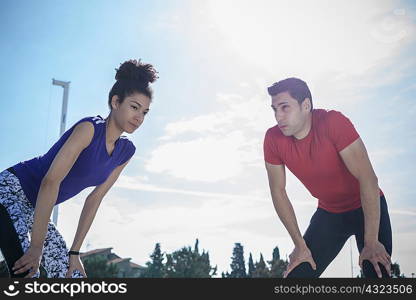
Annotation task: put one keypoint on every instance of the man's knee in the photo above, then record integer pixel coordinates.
(370, 272)
(304, 270)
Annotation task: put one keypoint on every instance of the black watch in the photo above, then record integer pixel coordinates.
(73, 252)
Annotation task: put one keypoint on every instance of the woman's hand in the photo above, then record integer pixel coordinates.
(75, 264)
(29, 261)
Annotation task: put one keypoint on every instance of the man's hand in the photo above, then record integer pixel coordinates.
(30, 261)
(299, 255)
(376, 253)
(75, 264)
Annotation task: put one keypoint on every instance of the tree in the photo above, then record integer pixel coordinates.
(276, 254)
(395, 271)
(225, 275)
(261, 270)
(251, 267)
(238, 266)
(97, 267)
(155, 268)
(188, 263)
(277, 265)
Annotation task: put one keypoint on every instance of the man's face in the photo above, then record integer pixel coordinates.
(290, 115)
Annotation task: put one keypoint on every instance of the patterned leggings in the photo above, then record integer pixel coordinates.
(16, 241)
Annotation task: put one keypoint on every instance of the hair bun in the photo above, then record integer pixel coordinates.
(136, 71)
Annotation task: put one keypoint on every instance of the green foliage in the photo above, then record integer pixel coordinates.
(251, 267)
(238, 266)
(276, 254)
(97, 267)
(395, 270)
(277, 265)
(273, 269)
(261, 270)
(183, 263)
(155, 268)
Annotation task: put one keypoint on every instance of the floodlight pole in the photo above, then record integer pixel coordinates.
(65, 85)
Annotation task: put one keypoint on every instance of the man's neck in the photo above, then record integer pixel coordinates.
(306, 128)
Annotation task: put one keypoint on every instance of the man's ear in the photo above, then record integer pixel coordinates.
(307, 104)
(115, 102)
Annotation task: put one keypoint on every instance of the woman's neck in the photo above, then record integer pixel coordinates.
(113, 132)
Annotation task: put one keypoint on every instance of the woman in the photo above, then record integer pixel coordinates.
(90, 153)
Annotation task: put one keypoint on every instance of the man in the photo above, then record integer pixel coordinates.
(324, 151)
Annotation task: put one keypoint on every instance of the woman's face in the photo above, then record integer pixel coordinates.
(130, 114)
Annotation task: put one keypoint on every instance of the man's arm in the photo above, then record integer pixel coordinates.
(356, 160)
(284, 209)
(282, 205)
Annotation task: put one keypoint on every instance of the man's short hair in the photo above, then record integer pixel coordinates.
(296, 87)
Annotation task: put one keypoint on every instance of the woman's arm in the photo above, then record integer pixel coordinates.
(79, 139)
(91, 206)
(88, 213)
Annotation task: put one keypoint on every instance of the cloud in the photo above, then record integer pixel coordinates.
(248, 111)
(135, 183)
(289, 40)
(216, 146)
(409, 212)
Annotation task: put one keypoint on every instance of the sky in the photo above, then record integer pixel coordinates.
(198, 170)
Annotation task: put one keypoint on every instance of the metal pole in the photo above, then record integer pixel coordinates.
(65, 85)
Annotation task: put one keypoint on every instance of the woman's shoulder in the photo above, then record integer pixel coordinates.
(127, 149)
(91, 126)
(126, 142)
(96, 121)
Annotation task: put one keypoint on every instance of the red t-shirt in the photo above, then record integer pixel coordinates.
(315, 160)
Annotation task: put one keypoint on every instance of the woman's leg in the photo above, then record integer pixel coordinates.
(17, 219)
(55, 258)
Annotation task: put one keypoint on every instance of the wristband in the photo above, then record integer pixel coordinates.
(73, 252)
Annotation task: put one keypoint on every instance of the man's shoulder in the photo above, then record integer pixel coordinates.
(274, 132)
(328, 115)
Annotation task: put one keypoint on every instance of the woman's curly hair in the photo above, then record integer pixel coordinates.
(133, 77)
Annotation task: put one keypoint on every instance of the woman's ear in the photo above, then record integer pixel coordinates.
(115, 102)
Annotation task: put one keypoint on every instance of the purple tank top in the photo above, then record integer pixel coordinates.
(92, 167)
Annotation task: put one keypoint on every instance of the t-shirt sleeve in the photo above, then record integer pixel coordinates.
(93, 120)
(128, 152)
(341, 131)
(96, 121)
(271, 154)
